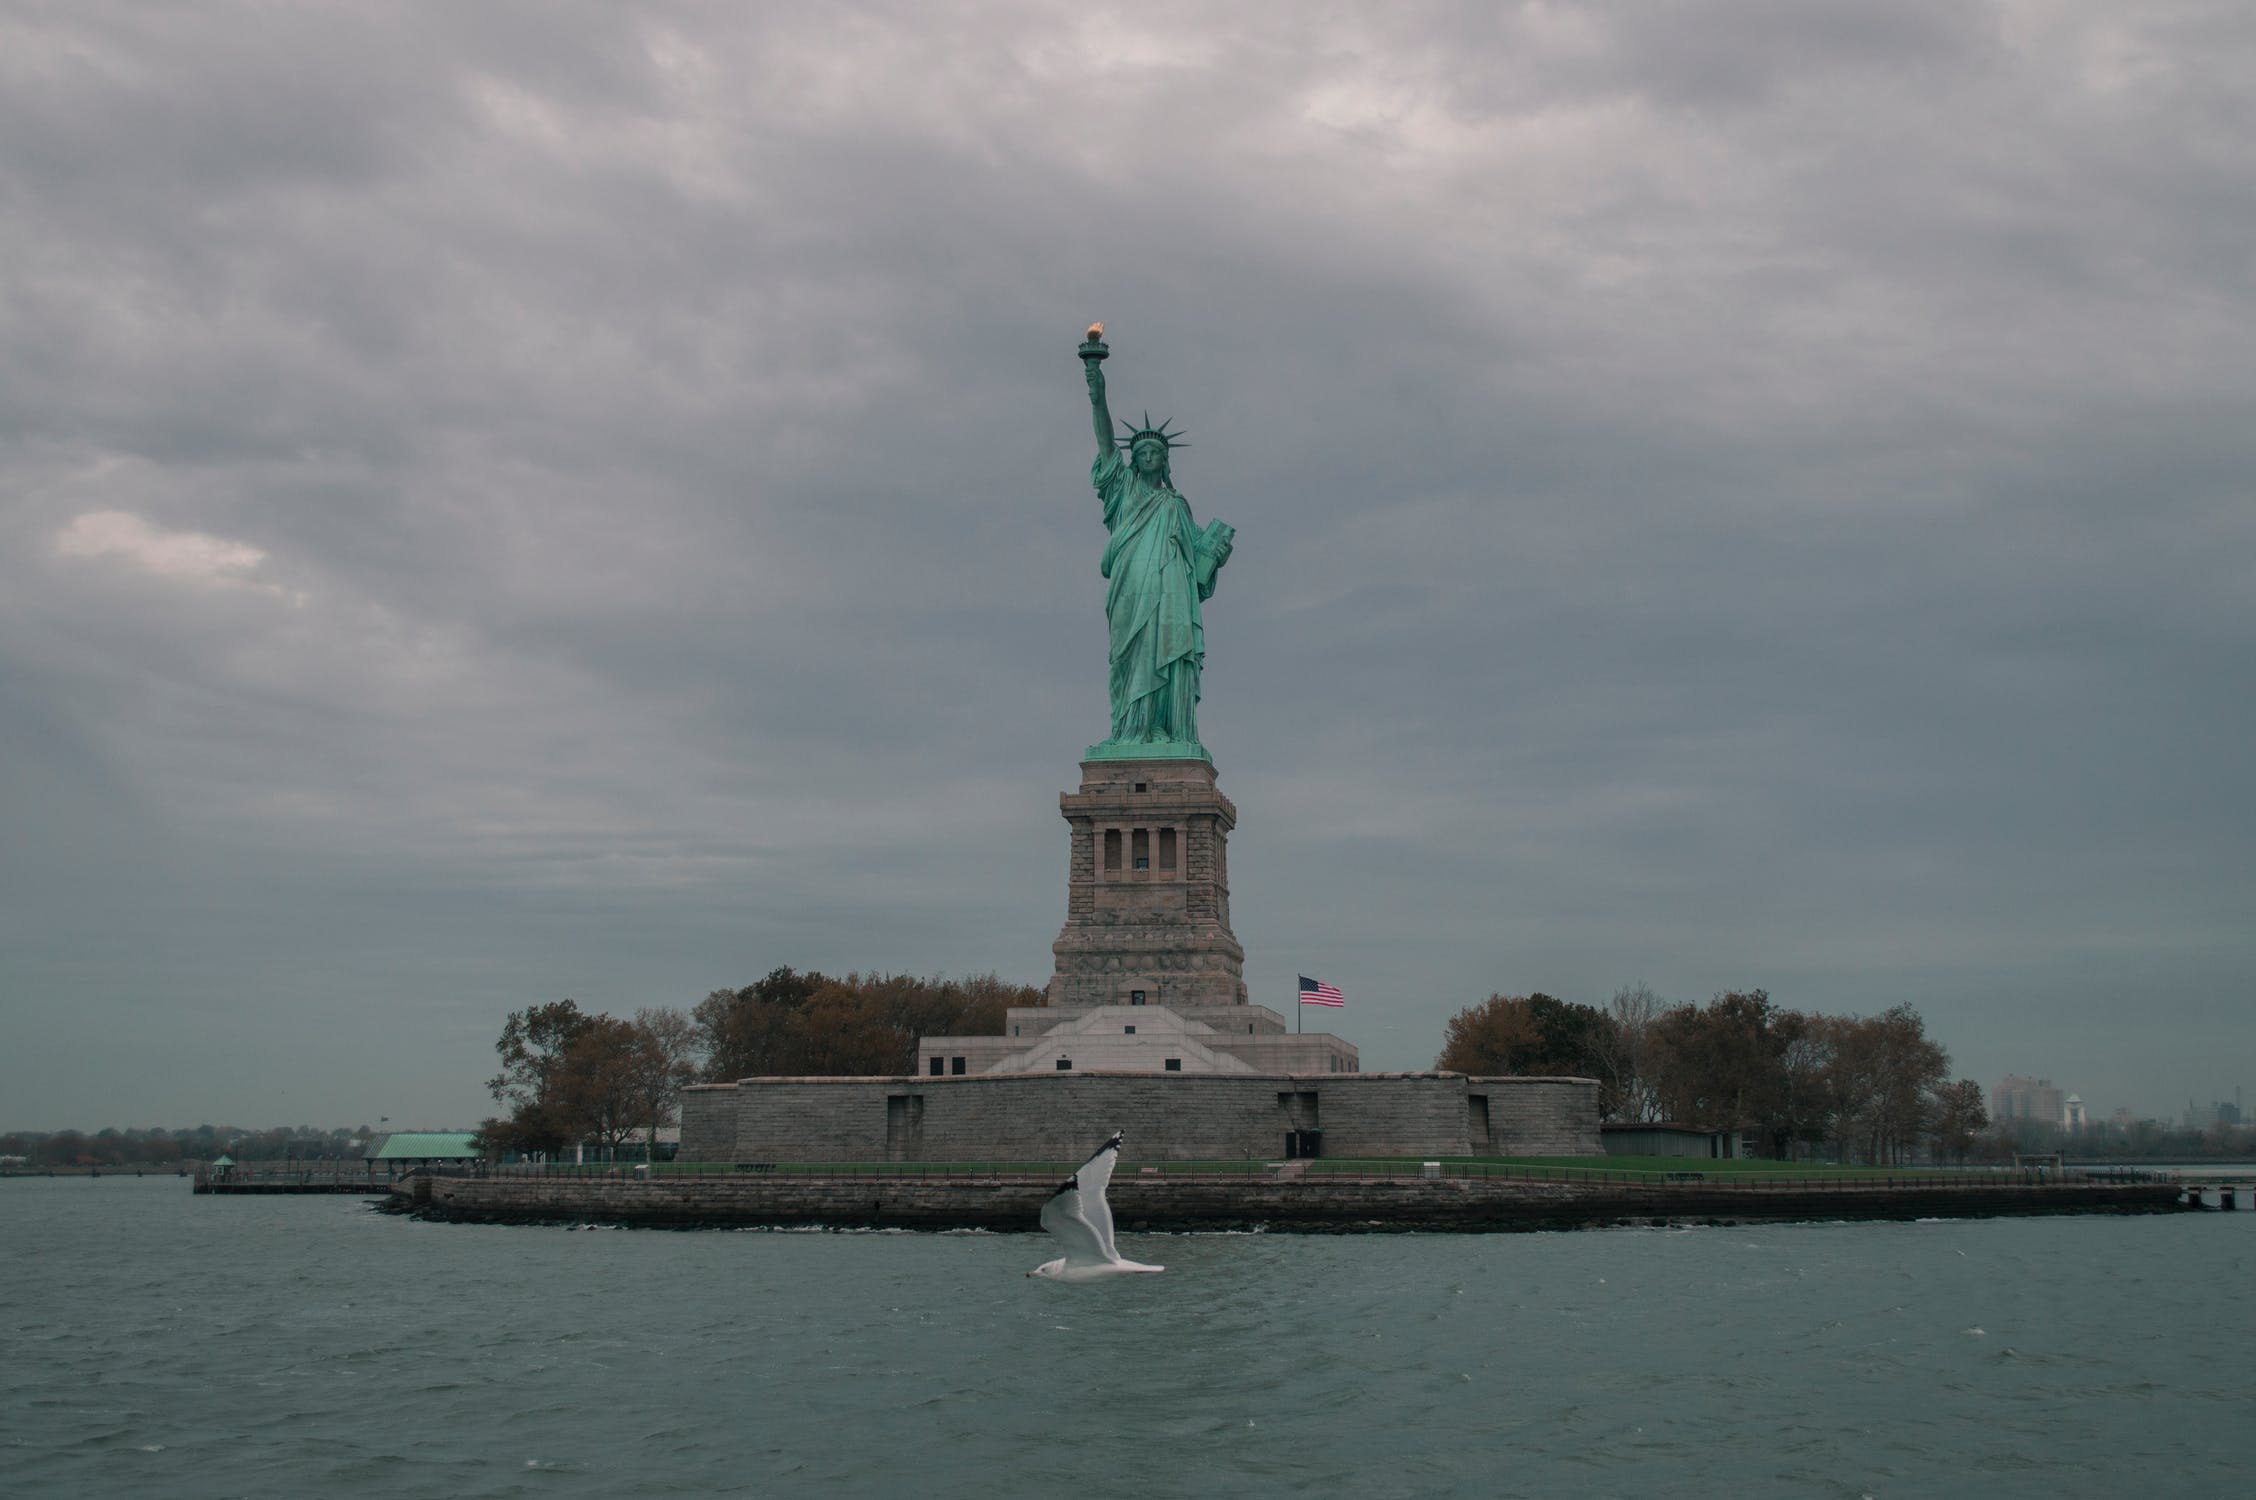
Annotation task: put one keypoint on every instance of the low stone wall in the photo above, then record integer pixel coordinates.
(1166, 1117)
(1313, 1204)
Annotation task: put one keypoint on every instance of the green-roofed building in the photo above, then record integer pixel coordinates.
(403, 1149)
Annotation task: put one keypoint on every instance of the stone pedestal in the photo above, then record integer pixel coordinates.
(1148, 894)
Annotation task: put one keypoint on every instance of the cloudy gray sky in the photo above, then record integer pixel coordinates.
(506, 502)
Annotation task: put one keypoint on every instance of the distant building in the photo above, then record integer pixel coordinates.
(2073, 1112)
(1139, 1037)
(1637, 1138)
(2028, 1099)
(403, 1149)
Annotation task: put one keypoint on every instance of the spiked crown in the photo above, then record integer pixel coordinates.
(1158, 434)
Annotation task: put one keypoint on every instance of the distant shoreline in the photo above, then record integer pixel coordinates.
(162, 1169)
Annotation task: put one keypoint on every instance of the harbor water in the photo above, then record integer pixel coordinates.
(155, 1343)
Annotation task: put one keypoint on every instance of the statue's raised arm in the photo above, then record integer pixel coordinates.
(1093, 352)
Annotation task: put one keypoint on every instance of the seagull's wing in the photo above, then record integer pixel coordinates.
(1065, 1217)
(1095, 1176)
(1077, 1213)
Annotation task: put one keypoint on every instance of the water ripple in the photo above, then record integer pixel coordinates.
(164, 1344)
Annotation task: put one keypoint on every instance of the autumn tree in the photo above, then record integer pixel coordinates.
(534, 1046)
(1873, 1086)
(1527, 1035)
(753, 1032)
(1489, 1038)
(599, 1087)
(1883, 1072)
(1802, 1101)
(1716, 1066)
(666, 1056)
(1960, 1115)
(1624, 1055)
(858, 1025)
(1913, 1066)
(569, 1077)
(864, 1026)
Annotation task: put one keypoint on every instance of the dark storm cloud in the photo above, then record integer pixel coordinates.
(510, 502)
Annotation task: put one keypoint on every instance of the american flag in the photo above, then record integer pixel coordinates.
(1316, 992)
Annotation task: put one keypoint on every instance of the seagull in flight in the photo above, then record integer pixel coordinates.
(1080, 1219)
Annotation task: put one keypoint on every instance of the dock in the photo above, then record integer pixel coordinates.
(294, 1177)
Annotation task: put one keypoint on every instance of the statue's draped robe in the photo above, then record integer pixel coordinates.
(1158, 567)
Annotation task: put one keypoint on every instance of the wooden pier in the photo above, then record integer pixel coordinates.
(2227, 1194)
(293, 1177)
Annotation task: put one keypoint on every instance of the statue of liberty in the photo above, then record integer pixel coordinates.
(1158, 566)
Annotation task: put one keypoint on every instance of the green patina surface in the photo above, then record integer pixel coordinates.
(425, 1145)
(1147, 750)
(1159, 567)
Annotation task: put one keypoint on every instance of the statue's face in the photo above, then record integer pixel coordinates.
(1150, 459)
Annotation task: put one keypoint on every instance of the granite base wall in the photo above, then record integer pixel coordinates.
(1186, 1117)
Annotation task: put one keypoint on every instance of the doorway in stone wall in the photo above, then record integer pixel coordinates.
(904, 1126)
(1304, 1135)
